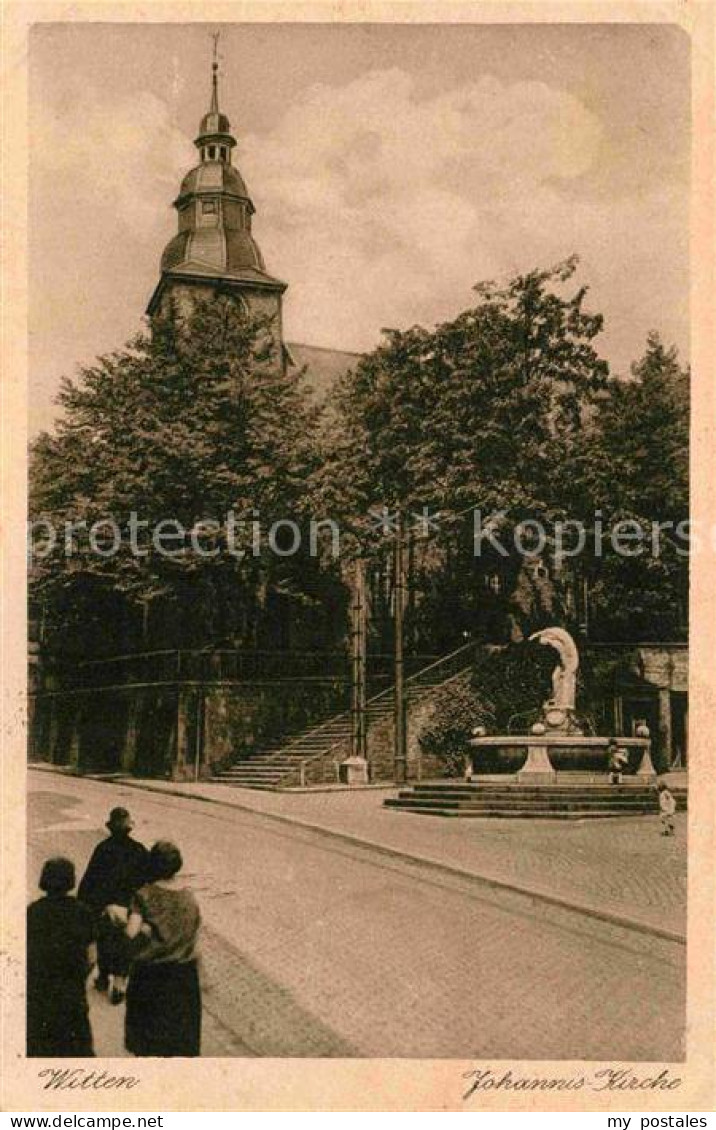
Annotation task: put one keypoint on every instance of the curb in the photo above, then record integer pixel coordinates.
(587, 909)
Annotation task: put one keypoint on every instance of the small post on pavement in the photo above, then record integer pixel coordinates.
(400, 743)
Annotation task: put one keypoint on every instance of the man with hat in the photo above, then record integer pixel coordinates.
(116, 871)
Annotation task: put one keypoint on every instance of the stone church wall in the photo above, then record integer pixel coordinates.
(258, 302)
(170, 731)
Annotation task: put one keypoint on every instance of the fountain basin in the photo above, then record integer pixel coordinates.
(542, 755)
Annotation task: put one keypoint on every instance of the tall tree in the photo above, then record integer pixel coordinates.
(483, 411)
(634, 468)
(186, 425)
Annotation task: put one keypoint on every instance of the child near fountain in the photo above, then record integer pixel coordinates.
(667, 807)
(618, 760)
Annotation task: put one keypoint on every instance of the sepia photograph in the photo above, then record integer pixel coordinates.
(360, 533)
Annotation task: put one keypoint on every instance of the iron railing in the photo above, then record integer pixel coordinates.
(171, 667)
(441, 670)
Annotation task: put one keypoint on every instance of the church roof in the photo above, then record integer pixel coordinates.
(220, 249)
(195, 272)
(214, 245)
(194, 268)
(214, 123)
(214, 176)
(324, 366)
(214, 238)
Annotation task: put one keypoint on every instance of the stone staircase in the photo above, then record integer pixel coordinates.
(573, 796)
(313, 755)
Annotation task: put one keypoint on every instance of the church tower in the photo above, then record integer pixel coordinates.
(214, 250)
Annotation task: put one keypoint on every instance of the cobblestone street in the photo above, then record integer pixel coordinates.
(314, 946)
(621, 866)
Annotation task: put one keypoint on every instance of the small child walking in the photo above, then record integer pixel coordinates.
(667, 808)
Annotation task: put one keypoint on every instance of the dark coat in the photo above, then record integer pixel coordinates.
(59, 932)
(116, 871)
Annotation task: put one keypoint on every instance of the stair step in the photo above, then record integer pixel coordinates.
(513, 787)
(265, 770)
(234, 771)
(609, 802)
(289, 768)
(523, 814)
(260, 770)
(565, 794)
(571, 797)
(278, 761)
(253, 776)
(519, 810)
(240, 766)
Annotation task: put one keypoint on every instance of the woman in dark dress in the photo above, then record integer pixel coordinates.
(163, 995)
(60, 955)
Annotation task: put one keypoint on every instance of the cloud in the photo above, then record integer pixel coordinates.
(384, 208)
(125, 156)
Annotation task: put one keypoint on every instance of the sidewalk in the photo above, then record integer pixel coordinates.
(618, 869)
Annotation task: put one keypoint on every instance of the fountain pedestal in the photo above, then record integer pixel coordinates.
(646, 768)
(537, 769)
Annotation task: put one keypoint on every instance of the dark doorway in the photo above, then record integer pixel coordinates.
(638, 708)
(156, 739)
(679, 729)
(102, 732)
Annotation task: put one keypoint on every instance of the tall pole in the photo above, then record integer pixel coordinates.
(358, 652)
(362, 662)
(199, 733)
(400, 747)
(585, 606)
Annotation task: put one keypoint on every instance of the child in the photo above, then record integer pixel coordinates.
(667, 807)
(60, 954)
(618, 760)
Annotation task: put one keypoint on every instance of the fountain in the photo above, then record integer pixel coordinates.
(540, 789)
(559, 731)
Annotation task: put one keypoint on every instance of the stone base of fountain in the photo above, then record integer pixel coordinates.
(546, 754)
(569, 799)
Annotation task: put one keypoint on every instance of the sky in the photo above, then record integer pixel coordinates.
(392, 168)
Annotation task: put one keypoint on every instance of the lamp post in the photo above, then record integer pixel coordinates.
(359, 736)
(400, 744)
(396, 533)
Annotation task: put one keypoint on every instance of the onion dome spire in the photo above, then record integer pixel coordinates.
(215, 140)
(214, 246)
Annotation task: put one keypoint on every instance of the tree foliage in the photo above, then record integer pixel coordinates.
(506, 687)
(187, 424)
(634, 468)
(456, 710)
(469, 413)
(486, 412)
(508, 408)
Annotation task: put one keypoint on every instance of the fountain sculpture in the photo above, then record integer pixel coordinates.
(559, 729)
